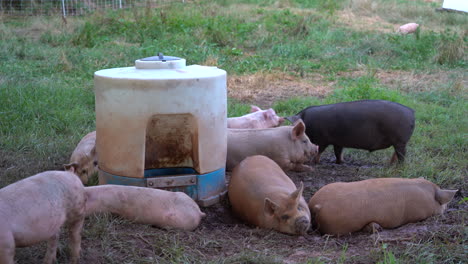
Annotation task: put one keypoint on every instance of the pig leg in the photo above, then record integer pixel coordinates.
(51, 253)
(372, 227)
(7, 248)
(75, 240)
(317, 156)
(394, 158)
(338, 154)
(400, 152)
(300, 167)
(286, 164)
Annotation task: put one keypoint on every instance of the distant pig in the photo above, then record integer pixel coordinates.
(263, 195)
(142, 205)
(365, 124)
(341, 208)
(84, 158)
(287, 145)
(257, 118)
(34, 209)
(408, 28)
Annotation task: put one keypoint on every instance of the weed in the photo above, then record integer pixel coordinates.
(388, 256)
(451, 49)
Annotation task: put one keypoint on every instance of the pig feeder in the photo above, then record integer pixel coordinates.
(163, 124)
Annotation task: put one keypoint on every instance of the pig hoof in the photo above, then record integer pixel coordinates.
(303, 168)
(372, 228)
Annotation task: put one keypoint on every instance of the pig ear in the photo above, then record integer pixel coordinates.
(72, 167)
(292, 119)
(297, 193)
(298, 130)
(93, 151)
(445, 196)
(254, 108)
(270, 207)
(316, 208)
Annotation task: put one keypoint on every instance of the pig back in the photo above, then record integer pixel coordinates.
(253, 180)
(270, 142)
(365, 124)
(145, 205)
(42, 204)
(84, 147)
(341, 208)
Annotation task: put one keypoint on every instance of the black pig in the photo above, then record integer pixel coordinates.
(365, 124)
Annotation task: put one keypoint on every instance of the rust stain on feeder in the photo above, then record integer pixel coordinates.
(169, 141)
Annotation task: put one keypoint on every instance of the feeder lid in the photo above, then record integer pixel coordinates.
(160, 62)
(160, 57)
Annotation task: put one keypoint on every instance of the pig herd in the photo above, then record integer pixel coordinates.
(260, 193)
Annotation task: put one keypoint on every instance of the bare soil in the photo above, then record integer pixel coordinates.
(263, 89)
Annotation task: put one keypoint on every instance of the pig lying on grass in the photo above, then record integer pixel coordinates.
(263, 195)
(342, 208)
(145, 205)
(34, 209)
(84, 158)
(288, 146)
(257, 118)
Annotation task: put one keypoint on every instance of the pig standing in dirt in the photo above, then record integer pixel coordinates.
(263, 195)
(84, 158)
(365, 124)
(257, 118)
(287, 145)
(34, 209)
(408, 28)
(341, 208)
(145, 205)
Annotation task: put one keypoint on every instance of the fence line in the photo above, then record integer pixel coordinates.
(71, 7)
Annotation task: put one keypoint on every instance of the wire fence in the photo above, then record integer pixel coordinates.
(71, 7)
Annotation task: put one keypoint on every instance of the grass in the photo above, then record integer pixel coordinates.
(47, 102)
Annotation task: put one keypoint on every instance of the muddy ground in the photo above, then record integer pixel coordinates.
(223, 238)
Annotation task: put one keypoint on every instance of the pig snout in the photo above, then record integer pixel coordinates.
(313, 150)
(301, 225)
(280, 120)
(310, 152)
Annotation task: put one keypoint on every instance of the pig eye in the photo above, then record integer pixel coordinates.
(285, 217)
(95, 163)
(299, 208)
(304, 141)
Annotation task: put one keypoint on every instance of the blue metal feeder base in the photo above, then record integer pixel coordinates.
(206, 189)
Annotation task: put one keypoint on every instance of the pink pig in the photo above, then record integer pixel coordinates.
(408, 28)
(257, 118)
(34, 209)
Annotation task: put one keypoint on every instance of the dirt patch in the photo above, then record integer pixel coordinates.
(413, 81)
(365, 23)
(265, 88)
